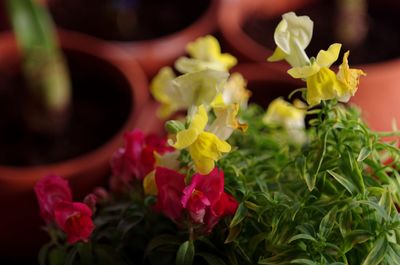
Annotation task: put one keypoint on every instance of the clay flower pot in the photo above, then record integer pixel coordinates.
(152, 52)
(378, 92)
(266, 83)
(119, 86)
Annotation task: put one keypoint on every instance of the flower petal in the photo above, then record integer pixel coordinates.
(328, 57)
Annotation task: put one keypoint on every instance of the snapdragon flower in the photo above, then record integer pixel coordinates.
(292, 36)
(185, 91)
(205, 53)
(204, 147)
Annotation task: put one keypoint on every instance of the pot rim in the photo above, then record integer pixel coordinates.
(234, 35)
(87, 162)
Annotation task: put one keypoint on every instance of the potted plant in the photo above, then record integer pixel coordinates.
(250, 32)
(235, 184)
(105, 90)
(153, 32)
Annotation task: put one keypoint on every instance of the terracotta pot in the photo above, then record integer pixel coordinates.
(234, 13)
(266, 83)
(152, 54)
(379, 91)
(20, 220)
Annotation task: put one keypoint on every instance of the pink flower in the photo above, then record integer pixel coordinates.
(50, 191)
(206, 200)
(136, 159)
(75, 219)
(170, 185)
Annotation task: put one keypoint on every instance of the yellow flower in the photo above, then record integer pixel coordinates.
(322, 83)
(292, 36)
(206, 54)
(235, 91)
(282, 113)
(160, 87)
(226, 119)
(204, 147)
(190, 89)
(349, 77)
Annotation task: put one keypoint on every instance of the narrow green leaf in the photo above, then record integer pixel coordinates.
(347, 184)
(233, 233)
(303, 261)
(161, 240)
(85, 253)
(377, 253)
(386, 201)
(355, 237)
(70, 258)
(240, 214)
(364, 153)
(43, 253)
(185, 253)
(301, 236)
(327, 223)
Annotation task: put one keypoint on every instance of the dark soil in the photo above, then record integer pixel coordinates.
(101, 105)
(381, 43)
(127, 20)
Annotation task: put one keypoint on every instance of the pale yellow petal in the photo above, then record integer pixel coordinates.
(199, 120)
(328, 57)
(278, 55)
(159, 84)
(218, 101)
(305, 71)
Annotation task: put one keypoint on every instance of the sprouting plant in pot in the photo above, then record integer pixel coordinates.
(279, 193)
(48, 97)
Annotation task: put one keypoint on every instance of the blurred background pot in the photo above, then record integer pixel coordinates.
(108, 96)
(155, 32)
(248, 30)
(267, 83)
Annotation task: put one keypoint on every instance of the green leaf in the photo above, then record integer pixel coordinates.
(355, 237)
(240, 214)
(43, 253)
(70, 258)
(211, 259)
(301, 236)
(85, 253)
(303, 261)
(386, 201)
(233, 233)
(377, 253)
(161, 240)
(364, 153)
(301, 165)
(327, 223)
(185, 253)
(347, 184)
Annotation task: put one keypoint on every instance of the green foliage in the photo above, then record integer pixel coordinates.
(330, 201)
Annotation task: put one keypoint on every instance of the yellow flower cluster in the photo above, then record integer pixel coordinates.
(292, 36)
(204, 85)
